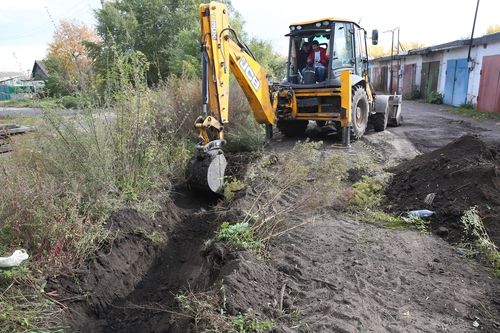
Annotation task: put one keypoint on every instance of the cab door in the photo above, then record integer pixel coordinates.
(360, 52)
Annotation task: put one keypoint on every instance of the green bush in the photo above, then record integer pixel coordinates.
(435, 98)
(69, 102)
(239, 235)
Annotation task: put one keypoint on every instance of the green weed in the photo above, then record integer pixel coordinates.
(395, 222)
(467, 111)
(231, 188)
(24, 307)
(238, 236)
(245, 324)
(479, 240)
(368, 193)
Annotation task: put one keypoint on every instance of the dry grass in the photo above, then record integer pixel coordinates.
(60, 184)
(286, 185)
(478, 238)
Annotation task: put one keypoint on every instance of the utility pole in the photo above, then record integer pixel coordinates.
(391, 71)
(472, 36)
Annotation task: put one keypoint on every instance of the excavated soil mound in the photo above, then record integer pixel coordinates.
(462, 174)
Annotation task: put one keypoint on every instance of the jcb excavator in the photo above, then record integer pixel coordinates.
(343, 98)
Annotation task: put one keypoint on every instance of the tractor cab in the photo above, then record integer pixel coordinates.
(339, 45)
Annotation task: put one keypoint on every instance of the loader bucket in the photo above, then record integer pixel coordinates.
(206, 171)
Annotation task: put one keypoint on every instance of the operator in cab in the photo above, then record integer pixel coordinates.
(303, 55)
(319, 60)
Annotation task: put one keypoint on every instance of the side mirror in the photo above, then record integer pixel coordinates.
(374, 37)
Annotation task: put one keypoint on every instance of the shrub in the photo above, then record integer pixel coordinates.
(62, 184)
(69, 102)
(435, 98)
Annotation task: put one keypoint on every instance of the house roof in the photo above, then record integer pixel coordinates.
(6, 76)
(445, 46)
(41, 66)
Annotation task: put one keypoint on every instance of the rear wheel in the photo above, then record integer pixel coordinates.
(292, 128)
(359, 112)
(380, 121)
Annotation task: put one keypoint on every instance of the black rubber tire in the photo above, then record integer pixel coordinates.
(292, 128)
(379, 121)
(359, 113)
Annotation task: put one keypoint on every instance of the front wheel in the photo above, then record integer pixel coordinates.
(359, 112)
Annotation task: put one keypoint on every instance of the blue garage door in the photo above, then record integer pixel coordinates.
(457, 82)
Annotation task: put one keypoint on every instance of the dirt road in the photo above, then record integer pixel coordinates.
(429, 126)
(335, 274)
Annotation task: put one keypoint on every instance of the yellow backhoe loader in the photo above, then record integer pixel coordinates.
(336, 93)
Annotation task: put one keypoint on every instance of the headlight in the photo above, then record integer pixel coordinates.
(326, 23)
(318, 24)
(299, 27)
(292, 28)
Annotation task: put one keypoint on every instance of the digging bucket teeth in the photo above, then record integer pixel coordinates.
(206, 170)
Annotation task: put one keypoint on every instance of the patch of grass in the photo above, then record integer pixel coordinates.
(395, 222)
(208, 314)
(24, 307)
(475, 114)
(383, 219)
(204, 311)
(231, 188)
(363, 163)
(417, 223)
(368, 193)
(246, 324)
(478, 238)
(43, 103)
(239, 236)
(69, 102)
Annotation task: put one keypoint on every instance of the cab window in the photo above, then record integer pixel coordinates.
(342, 46)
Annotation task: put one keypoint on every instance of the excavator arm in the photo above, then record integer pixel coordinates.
(223, 53)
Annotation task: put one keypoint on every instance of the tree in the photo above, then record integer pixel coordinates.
(492, 29)
(377, 51)
(274, 63)
(165, 31)
(412, 46)
(68, 61)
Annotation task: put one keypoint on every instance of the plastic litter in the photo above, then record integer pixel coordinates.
(420, 213)
(15, 259)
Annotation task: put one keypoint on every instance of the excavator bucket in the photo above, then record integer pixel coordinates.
(206, 171)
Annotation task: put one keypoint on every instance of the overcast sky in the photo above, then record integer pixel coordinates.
(26, 28)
